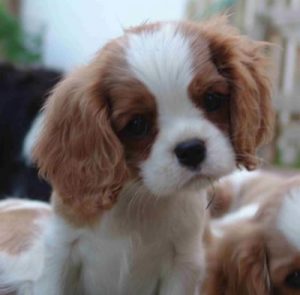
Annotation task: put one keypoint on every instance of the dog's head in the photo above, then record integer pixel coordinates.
(260, 255)
(167, 104)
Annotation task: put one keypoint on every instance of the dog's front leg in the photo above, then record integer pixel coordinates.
(181, 281)
(51, 282)
(185, 277)
(186, 269)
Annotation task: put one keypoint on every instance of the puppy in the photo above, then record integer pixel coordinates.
(255, 249)
(130, 142)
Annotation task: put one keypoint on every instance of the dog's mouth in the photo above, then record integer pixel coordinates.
(199, 181)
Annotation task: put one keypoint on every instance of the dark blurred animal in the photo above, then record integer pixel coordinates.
(22, 93)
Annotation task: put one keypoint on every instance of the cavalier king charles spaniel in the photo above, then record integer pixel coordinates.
(255, 248)
(129, 143)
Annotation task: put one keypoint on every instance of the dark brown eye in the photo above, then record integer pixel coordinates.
(137, 127)
(214, 101)
(293, 280)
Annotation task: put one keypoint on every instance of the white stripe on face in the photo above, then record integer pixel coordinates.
(162, 60)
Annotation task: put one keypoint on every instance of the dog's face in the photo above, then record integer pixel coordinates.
(261, 256)
(171, 111)
(171, 105)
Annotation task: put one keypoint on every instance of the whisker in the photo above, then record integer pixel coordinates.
(213, 194)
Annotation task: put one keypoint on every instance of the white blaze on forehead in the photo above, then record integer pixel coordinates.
(288, 221)
(162, 60)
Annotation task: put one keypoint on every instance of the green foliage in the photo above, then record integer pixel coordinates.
(279, 162)
(218, 7)
(17, 46)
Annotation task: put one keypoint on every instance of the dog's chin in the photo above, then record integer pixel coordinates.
(193, 184)
(198, 182)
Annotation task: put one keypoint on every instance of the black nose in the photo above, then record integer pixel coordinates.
(191, 153)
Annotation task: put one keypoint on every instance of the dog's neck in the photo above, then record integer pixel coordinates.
(140, 228)
(136, 207)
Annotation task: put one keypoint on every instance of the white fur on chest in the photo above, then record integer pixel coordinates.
(116, 263)
(131, 251)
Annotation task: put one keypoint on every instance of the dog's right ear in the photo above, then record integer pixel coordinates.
(244, 63)
(77, 149)
(238, 265)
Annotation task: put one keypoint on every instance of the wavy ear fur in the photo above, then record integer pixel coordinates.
(239, 264)
(77, 150)
(244, 63)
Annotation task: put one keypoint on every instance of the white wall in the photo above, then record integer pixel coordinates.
(76, 29)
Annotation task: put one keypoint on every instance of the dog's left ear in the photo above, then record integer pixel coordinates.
(77, 150)
(239, 264)
(244, 63)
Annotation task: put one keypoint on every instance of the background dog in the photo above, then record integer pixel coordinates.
(255, 248)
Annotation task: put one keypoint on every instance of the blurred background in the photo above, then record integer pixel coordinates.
(42, 40)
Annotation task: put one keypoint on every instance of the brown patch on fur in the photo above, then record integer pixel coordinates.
(206, 79)
(243, 63)
(144, 28)
(291, 265)
(127, 101)
(284, 260)
(209, 81)
(18, 228)
(222, 198)
(238, 265)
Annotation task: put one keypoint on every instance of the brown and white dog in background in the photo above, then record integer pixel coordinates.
(255, 248)
(129, 143)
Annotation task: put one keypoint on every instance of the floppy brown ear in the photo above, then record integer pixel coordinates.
(77, 150)
(239, 264)
(244, 63)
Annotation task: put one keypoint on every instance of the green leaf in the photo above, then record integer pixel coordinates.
(16, 45)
